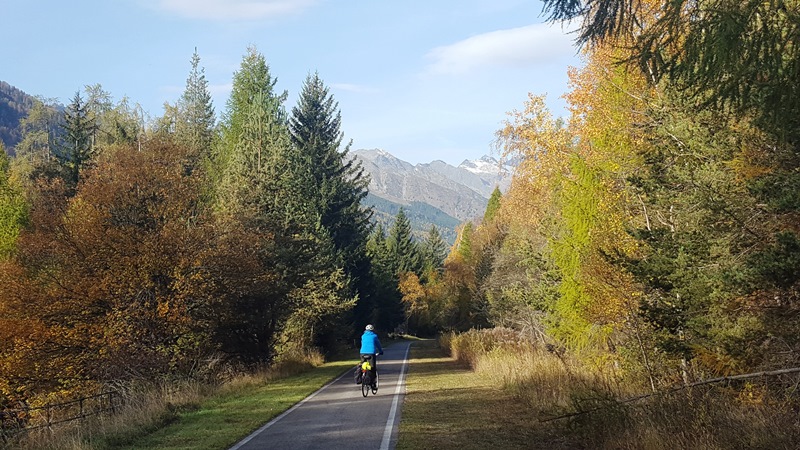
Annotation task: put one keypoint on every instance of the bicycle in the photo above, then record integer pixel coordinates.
(367, 384)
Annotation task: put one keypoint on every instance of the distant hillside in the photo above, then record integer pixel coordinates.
(14, 106)
(421, 215)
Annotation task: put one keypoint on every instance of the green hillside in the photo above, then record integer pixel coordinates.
(422, 216)
(14, 106)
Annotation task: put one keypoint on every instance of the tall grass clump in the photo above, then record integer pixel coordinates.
(543, 378)
(599, 409)
(149, 406)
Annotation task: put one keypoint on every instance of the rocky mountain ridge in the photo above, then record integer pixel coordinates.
(435, 193)
(462, 192)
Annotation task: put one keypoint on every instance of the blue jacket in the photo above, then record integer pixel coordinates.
(370, 344)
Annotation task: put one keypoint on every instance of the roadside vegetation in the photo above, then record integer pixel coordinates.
(193, 415)
(649, 241)
(496, 388)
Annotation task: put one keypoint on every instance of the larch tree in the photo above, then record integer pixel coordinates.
(13, 208)
(263, 185)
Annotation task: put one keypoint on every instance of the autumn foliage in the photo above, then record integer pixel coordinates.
(654, 231)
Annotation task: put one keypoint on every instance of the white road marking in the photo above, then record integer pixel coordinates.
(387, 433)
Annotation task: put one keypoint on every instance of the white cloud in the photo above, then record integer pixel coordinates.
(515, 47)
(222, 10)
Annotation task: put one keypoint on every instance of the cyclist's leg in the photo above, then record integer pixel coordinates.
(374, 368)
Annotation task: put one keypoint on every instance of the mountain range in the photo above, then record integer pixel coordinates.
(434, 193)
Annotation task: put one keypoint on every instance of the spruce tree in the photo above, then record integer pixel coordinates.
(196, 120)
(401, 246)
(339, 182)
(77, 143)
(262, 185)
(434, 250)
(336, 183)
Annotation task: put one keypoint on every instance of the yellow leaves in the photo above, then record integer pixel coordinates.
(413, 292)
(571, 191)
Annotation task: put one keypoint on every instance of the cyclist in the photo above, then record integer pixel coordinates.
(370, 347)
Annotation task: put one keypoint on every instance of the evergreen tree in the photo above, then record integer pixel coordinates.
(337, 184)
(78, 140)
(401, 247)
(434, 250)
(263, 185)
(493, 206)
(195, 116)
(384, 309)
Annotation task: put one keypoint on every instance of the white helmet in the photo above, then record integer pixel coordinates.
(370, 327)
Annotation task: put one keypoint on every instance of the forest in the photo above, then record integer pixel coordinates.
(187, 247)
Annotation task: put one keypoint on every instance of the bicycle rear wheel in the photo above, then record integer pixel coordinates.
(365, 385)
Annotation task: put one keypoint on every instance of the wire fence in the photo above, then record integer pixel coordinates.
(24, 418)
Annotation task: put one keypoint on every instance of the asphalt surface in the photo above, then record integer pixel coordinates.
(338, 417)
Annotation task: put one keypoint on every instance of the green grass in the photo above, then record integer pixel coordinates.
(448, 406)
(224, 419)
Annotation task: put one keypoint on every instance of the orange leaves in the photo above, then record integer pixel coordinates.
(111, 282)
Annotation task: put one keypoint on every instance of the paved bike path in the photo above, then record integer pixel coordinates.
(338, 417)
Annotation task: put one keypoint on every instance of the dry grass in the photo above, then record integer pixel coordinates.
(709, 417)
(149, 407)
(449, 406)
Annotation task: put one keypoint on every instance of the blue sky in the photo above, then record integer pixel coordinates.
(422, 79)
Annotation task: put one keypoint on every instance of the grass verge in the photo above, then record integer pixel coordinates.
(496, 380)
(235, 412)
(192, 415)
(449, 406)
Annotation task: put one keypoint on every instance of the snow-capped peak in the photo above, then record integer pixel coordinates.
(484, 165)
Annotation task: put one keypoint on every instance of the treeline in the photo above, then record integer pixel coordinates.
(13, 107)
(134, 250)
(657, 231)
